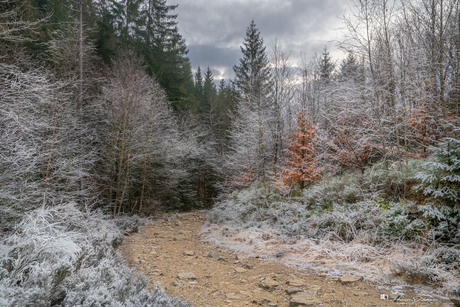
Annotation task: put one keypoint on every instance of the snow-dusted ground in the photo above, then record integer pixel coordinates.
(332, 258)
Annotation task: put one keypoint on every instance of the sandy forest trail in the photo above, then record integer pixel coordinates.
(170, 251)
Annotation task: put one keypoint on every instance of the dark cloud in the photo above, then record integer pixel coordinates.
(214, 29)
(219, 59)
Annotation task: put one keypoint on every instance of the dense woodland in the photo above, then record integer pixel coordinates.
(101, 114)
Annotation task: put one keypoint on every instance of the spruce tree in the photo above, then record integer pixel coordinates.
(350, 69)
(325, 66)
(209, 93)
(252, 74)
(164, 50)
(252, 79)
(198, 84)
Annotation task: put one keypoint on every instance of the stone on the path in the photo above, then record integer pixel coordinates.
(186, 275)
(156, 273)
(296, 282)
(349, 279)
(240, 270)
(281, 253)
(262, 302)
(212, 254)
(248, 266)
(189, 253)
(178, 283)
(303, 299)
(232, 296)
(291, 291)
(269, 284)
(394, 297)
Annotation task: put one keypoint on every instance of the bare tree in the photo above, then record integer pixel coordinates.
(282, 96)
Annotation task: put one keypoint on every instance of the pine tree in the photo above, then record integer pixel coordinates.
(252, 79)
(209, 93)
(350, 69)
(163, 47)
(325, 66)
(302, 161)
(198, 84)
(253, 73)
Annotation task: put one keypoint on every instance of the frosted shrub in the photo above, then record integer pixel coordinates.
(332, 190)
(346, 221)
(378, 220)
(389, 179)
(128, 224)
(440, 178)
(398, 221)
(62, 256)
(444, 256)
(444, 222)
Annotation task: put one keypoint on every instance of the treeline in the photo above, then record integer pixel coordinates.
(395, 97)
(99, 106)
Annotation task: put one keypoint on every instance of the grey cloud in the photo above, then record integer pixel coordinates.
(219, 59)
(210, 27)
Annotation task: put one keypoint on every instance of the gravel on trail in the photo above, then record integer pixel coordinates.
(171, 252)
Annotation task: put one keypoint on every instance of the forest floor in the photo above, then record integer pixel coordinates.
(174, 253)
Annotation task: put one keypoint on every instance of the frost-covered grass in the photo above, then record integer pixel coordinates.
(65, 257)
(346, 219)
(380, 220)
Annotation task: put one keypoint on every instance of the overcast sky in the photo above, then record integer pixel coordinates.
(214, 29)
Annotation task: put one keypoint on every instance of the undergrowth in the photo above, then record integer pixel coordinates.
(365, 209)
(61, 256)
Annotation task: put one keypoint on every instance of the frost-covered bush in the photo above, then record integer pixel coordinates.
(62, 256)
(334, 189)
(440, 178)
(253, 207)
(399, 221)
(444, 222)
(443, 256)
(388, 179)
(345, 221)
(378, 220)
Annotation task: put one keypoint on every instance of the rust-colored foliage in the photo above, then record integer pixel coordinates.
(425, 121)
(245, 178)
(302, 161)
(350, 144)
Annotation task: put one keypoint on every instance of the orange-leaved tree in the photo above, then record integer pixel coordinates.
(302, 161)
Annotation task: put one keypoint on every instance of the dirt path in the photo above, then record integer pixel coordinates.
(171, 252)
